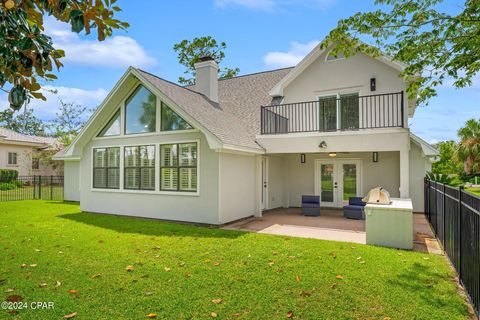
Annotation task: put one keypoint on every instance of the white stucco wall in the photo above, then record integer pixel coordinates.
(24, 158)
(384, 173)
(237, 194)
(419, 164)
(343, 76)
(201, 208)
(72, 180)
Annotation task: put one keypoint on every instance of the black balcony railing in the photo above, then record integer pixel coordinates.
(348, 112)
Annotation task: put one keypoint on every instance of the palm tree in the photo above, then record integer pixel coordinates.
(468, 149)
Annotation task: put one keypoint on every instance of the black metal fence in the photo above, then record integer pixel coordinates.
(349, 112)
(32, 188)
(454, 215)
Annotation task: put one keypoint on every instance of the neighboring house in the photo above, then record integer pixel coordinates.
(226, 149)
(28, 154)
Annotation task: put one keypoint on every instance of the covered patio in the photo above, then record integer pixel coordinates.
(331, 225)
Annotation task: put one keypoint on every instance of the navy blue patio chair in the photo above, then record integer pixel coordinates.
(310, 205)
(354, 209)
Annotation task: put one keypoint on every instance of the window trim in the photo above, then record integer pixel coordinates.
(158, 132)
(178, 167)
(162, 105)
(16, 159)
(157, 190)
(139, 167)
(106, 168)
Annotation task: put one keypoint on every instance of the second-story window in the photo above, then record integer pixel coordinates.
(349, 111)
(140, 112)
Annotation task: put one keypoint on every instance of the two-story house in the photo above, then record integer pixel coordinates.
(222, 150)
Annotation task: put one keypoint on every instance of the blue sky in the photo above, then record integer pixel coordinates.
(260, 34)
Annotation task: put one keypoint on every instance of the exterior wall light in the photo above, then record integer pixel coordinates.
(332, 154)
(375, 157)
(373, 84)
(302, 158)
(322, 145)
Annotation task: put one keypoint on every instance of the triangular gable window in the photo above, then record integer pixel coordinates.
(171, 121)
(113, 126)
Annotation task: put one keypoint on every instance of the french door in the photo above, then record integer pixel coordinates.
(336, 180)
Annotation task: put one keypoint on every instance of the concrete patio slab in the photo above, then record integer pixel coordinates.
(329, 226)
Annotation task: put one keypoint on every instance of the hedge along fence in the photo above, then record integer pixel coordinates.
(8, 175)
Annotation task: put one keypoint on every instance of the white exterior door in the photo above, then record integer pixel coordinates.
(264, 184)
(336, 180)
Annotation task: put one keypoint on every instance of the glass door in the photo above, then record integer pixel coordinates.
(327, 184)
(336, 181)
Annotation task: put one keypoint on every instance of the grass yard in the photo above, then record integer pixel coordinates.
(48, 249)
(475, 191)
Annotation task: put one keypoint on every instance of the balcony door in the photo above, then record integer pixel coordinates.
(339, 112)
(336, 180)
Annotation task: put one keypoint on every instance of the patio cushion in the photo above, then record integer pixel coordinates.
(311, 199)
(354, 212)
(356, 201)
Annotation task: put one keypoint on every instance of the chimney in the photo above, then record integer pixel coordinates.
(206, 79)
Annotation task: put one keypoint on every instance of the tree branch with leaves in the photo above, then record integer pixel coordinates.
(190, 51)
(436, 46)
(28, 55)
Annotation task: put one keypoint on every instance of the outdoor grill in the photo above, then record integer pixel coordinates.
(378, 195)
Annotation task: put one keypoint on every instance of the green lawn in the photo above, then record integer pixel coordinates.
(180, 269)
(474, 191)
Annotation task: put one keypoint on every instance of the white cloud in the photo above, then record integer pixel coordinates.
(271, 5)
(117, 51)
(293, 56)
(260, 5)
(45, 110)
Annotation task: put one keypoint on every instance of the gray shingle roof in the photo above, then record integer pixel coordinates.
(235, 120)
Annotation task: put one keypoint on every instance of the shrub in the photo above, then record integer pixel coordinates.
(8, 175)
(18, 183)
(7, 186)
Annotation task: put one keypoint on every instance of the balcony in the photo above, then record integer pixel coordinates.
(335, 113)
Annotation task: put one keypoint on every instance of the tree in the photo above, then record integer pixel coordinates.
(468, 149)
(70, 120)
(436, 46)
(27, 54)
(24, 122)
(446, 164)
(190, 52)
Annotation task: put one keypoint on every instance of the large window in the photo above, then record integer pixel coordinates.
(113, 126)
(106, 168)
(328, 113)
(171, 121)
(178, 167)
(140, 168)
(140, 112)
(349, 111)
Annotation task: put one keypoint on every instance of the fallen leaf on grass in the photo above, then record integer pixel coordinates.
(148, 293)
(14, 298)
(70, 316)
(297, 278)
(129, 268)
(151, 315)
(339, 277)
(362, 262)
(359, 258)
(33, 265)
(96, 275)
(217, 301)
(271, 263)
(216, 264)
(72, 291)
(9, 290)
(23, 265)
(167, 269)
(236, 314)
(290, 314)
(334, 285)
(387, 318)
(213, 315)
(42, 285)
(100, 241)
(426, 258)
(38, 250)
(58, 284)
(305, 294)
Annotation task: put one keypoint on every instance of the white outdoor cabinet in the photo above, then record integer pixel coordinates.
(390, 225)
